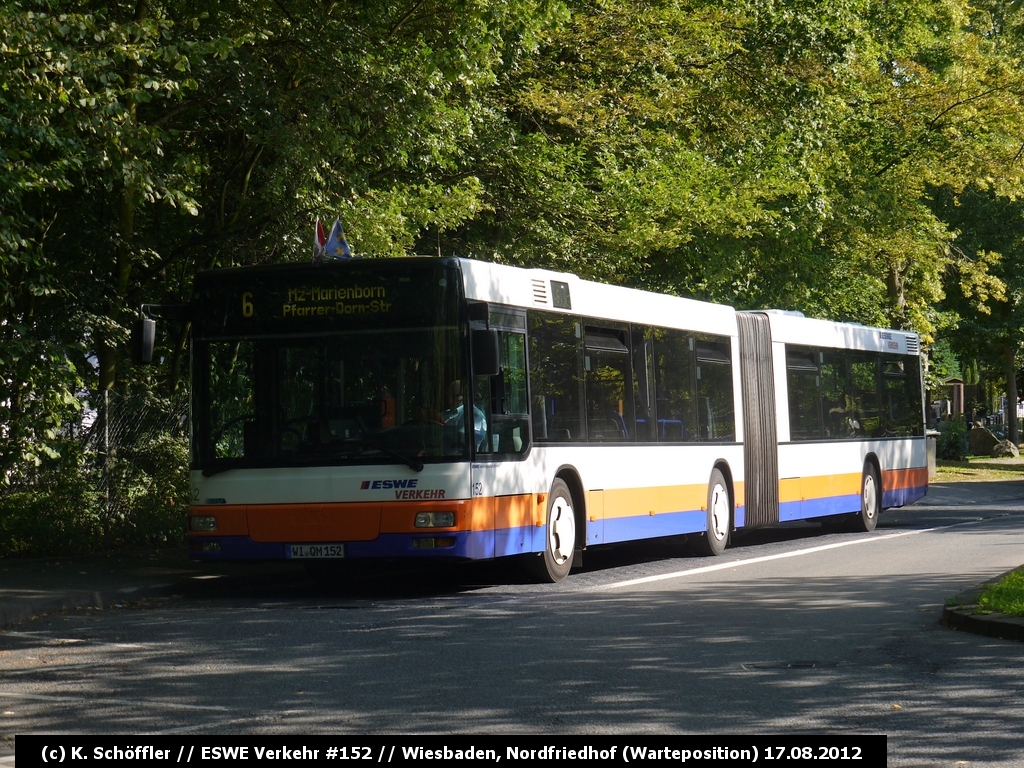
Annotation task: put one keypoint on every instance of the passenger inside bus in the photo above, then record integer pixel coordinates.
(454, 416)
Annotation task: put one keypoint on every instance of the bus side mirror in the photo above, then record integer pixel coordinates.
(486, 352)
(143, 340)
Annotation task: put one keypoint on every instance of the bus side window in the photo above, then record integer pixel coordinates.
(504, 398)
(864, 393)
(675, 386)
(643, 384)
(608, 386)
(915, 396)
(835, 398)
(803, 380)
(714, 389)
(556, 351)
(901, 396)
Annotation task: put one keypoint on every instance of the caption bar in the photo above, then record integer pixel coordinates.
(855, 751)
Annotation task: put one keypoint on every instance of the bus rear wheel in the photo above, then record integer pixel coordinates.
(719, 519)
(559, 535)
(870, 500)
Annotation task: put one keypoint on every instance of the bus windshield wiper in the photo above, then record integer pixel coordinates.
(414, 464)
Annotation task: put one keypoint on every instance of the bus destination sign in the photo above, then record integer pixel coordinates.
(321, 301)
(309, 300)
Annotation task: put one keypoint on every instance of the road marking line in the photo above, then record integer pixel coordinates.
(114, 702)
(766, 558)
(234, 721)
(59, 667)
(205, 726)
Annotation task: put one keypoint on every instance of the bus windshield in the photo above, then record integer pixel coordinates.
(353, 393)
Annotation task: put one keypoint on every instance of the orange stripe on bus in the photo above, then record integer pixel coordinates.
(479, 514)
(360, 521)
(818, 487)
(518, 511)
(314, 522)
(630, 502)
(897, 479)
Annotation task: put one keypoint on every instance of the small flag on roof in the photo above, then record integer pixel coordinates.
(337, 245)
(319, 241)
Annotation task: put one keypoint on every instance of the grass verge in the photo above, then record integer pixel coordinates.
(1006, 596)
(979, 468)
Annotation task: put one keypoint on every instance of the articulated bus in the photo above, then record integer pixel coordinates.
(426, 407)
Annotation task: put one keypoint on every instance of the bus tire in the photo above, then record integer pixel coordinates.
(559, 535)
(870, 500)
(719, 516)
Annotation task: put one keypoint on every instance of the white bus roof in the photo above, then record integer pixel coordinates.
(531, 288)
(791, 329)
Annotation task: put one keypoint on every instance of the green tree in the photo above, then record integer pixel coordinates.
(751, 154)
(72, 84)
(991, 323)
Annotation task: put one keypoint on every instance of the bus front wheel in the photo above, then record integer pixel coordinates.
(719, 519)
(870, 500)
(559, 535)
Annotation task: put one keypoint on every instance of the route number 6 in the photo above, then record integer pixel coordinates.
(247, 308)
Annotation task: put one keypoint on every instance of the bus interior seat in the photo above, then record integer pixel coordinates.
(671, 430)
(606, 429)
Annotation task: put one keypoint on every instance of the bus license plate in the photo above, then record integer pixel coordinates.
(298, 551)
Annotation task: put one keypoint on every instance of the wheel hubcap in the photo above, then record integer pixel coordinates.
(562, 530)
(719, 512)
(870, 497)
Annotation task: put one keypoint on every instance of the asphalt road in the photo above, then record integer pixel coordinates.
(792, 630)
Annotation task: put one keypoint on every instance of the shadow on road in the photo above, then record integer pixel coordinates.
(776, 655)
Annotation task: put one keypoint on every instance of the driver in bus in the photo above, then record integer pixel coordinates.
(455, 414)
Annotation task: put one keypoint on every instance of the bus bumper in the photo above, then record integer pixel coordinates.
(465, 545)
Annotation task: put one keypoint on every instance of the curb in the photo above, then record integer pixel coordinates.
(962, 616)
(15, 612)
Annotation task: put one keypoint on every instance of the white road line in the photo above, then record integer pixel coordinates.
(53, 642)
(766, 558)
(207, 726)
(113, 702)
(58, 668)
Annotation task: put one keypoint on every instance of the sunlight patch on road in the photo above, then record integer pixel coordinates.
(766, 558)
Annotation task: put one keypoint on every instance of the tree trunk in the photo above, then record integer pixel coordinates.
(894, 284)
(178, 358)
(1010, 359)
(108, 352)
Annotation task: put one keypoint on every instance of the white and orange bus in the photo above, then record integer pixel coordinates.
(425, 407)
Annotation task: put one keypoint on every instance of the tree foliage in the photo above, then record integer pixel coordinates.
(823, 156)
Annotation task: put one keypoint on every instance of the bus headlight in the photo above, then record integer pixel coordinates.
(202, 523)
(434, 520)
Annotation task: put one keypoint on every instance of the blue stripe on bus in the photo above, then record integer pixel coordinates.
(483, 545)
(652, 526)
(476, 545)
(902, 496)
(829, 505)
(237, 548)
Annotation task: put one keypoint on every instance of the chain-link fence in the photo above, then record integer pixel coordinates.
(120, 480)
(132, 438)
